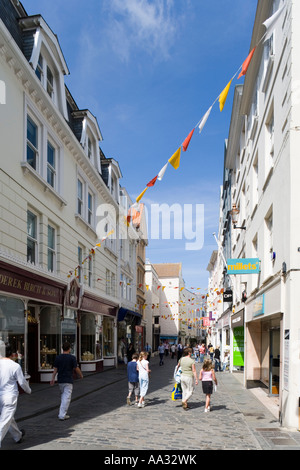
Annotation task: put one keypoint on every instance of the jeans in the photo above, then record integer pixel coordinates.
(66, 395)
(217, 365)
(143, 386)
(8, 406)
(161, 358)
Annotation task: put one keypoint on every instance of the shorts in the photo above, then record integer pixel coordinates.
(134, 387)
(207, 387)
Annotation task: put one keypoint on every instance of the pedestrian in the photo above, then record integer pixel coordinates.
(130, 352)
(207, 376)
(179, 350)
(133, 379)
(225, 361)
(217, 355)
(188, 374)
(161, 351)
(148, 349)
(10, 376)
(173, 350)
(210, 350)
(64, 366)
(144, 371)
(202, 350)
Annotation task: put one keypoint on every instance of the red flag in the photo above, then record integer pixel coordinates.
(187, 141)
(246, 63)
(152, 182)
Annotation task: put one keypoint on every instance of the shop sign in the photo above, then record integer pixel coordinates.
(243, 266)
(94, 305)
(18, 283)
(228, 296)
(259, 306)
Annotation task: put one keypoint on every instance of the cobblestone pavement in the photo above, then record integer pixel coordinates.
(100, 419)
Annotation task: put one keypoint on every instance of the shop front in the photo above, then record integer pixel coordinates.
(263, 340)
(97, 325)
(128, 333)
(38, 314)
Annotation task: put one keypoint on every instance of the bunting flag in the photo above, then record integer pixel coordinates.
(141, 195)
(152, 182)
(246, 63)
(175, 159)
(223, 96)
(187, 141)
(162, 172)
(204, 119)
(270, 22)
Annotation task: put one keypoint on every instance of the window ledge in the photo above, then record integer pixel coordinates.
(27, 169)
(87, 225)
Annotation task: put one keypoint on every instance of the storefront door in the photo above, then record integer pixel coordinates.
(33, 363)
(274, 361)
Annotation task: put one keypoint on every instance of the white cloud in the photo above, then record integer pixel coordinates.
(140, 24)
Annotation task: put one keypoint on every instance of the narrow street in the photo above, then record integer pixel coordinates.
(101, 420)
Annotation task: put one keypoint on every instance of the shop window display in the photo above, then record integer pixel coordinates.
(108, 337)
(91, 337)
(12, 326)
(69, 329)
(50, 329)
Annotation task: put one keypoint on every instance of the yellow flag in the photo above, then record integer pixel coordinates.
(141, 195)
(175, 159)
(223, 96)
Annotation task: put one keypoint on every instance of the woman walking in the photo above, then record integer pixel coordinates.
(143, 368)
(207, 376)
(188, 374)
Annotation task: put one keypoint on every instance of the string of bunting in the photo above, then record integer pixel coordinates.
(174, 160)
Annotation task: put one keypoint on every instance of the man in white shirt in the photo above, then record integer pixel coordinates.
(10, 376)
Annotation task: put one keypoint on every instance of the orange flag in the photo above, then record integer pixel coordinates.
(246, 63)
(187, 141)
(152, 182)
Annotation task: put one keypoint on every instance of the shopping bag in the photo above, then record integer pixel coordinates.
(177, 374)
(177, 392)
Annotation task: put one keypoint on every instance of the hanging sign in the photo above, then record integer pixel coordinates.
(228, 296)
(243, 266)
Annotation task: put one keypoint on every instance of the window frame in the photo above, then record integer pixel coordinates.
(34, 239)
(52, 250)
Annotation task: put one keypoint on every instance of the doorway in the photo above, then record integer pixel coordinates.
(274, 361)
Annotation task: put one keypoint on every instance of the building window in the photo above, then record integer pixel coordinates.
(90, 271)
(79, 197)
(80, 258)
(51, 165)
(51, 249)
(32, 241)
(50, 88)
(90, 208)
(32, 143)
(39, 68)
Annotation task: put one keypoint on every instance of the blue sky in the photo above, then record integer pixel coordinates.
(149, 70)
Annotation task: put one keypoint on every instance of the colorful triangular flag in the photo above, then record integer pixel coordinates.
(187, 141)
(152, 182)
(246, 63)
(141, 195)
(162, 172)
(204, 119)
(223, 95)
(175, 159)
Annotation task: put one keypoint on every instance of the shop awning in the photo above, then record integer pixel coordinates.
(125, 314)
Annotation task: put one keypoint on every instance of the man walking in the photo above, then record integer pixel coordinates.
(64, 365)
(10, 375)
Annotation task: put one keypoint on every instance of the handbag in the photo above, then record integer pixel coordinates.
(177, 374)
(176, 392)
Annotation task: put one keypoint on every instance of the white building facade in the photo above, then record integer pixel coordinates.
(264, 221)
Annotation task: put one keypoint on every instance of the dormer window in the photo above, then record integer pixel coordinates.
(47, 59)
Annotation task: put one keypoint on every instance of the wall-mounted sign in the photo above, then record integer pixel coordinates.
(259, 305)
(227, 296)
(243, 266)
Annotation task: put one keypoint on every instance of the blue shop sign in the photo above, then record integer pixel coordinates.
(243, 266)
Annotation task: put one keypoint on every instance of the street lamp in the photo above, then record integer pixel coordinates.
(234, 213)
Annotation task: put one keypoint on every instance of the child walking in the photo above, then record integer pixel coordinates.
(143, 368)
(207, 376)
(133, 379)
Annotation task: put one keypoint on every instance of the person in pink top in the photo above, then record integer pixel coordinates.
(207, 376)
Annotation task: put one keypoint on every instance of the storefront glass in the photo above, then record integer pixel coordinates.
(108, 337)
(50, 331)
(12, 326)
(69, 329)
(91, 337)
